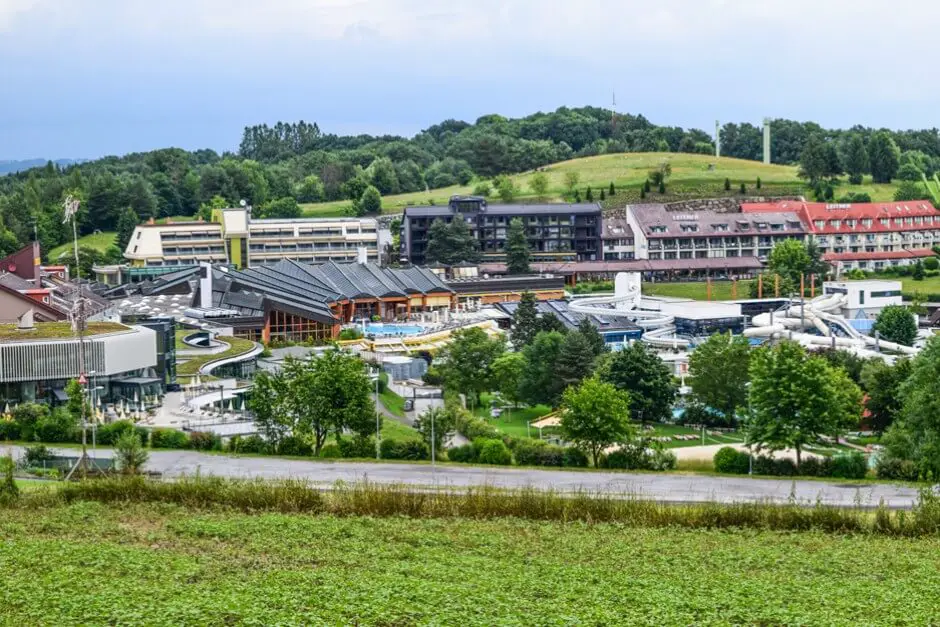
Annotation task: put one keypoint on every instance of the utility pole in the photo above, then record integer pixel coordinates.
(70, 207)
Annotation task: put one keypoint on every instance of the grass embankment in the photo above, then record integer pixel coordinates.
(96, 241)
(623, 169)
(237, 346)
(57, 331)
(180, 334)
(511, 421)
(171, 554)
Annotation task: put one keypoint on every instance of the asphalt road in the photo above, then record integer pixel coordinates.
(671, 487)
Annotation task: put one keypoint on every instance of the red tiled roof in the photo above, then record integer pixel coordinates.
(809, 212)
(910, 253)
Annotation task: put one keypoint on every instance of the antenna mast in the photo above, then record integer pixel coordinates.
(77, 316)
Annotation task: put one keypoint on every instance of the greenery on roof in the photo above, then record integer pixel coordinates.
(237, 346)
(56, 330)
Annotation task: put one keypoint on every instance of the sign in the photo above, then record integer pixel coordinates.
(685, 216)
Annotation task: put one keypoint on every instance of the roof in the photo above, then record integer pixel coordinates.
(811, 212)
(910, 253)
(571, 319)
(709, 223)
(638, 265)
(510, 210)
(44, 310)
(511, 283)
(616, 228)
(16, 282)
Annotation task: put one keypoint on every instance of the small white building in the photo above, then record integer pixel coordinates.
(865, 299)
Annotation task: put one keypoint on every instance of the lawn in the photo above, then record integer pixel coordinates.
(237, 346)
(88, 563)
(660, 430)
(514, 421)
(101, 241)
(394, 430)
(698, 290)
(622, 169)
(57, 330)
(394, 403)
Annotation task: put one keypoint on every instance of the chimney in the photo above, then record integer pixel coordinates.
(25, 322)
(362, 255)
(205, 285)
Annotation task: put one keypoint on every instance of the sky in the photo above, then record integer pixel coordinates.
(88, 78)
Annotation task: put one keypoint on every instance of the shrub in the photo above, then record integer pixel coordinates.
(473, 427)
(575, 458)
(205, 441)
(350, 333)
(816, 467)
(130, 454)
(641, 455)
(8, 489)
(465, 454)
(330, 451)
(731, 461)
(931, 263)
(252, 444)
(849, 466)
(777, 467)
(492, 452)
(108, 435)
(537, 453)
(294, 445)
(37, 455)
(358, 447)
(168, 438)
(45, 473)
(9, 430)
(56, 426)
(404, 449)
(899, 469)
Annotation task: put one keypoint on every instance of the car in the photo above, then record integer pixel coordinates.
(496, 412)
(409, 404)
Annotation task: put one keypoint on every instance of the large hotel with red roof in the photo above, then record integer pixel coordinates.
(869, 236)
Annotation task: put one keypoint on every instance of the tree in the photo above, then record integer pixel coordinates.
(596, 415)
(594, 338)
(467, 360)
(506, 188)
(540, 383)
(642, 193)
(77, 405)
(369, 202)
(727, 185)
(602, 196)
(719, 371)
(638, 370)
(918, 273)
(437, 242)
(790, 260)
(817, 266)
(882, 383)
(383, 176)
(915, 432)
(646, 186)
(525, 322)
(310, 189)
(538, 183)
(572, 178)
(549, 322)
(129, 453)
(896, 324)
(910, 172)
(743, 189)
(795, 398)
(439, 422)
(451, 243)
(507, 371)
(575, 360)
(611, 191)
(910, 190)
(757, 184)
(660, 174)
(286, 207)
(856, 159)
(662, 187)
(813, 160)
(589, 195)
(125, 227)
(884, 157)
(517, 248)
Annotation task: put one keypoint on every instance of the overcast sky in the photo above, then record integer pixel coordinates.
(85, 78)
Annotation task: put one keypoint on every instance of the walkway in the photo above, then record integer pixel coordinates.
(669, 487)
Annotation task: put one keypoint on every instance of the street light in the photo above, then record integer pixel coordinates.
(378, 418)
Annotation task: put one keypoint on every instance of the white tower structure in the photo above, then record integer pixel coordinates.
(717, 139)
(767, 141)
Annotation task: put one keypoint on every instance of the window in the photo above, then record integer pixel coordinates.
(851, 223)
(884, 294)
(866, 222)
(138, 234)
(721, 227)
(835, 223)
(884, 221)
(657, 229)
(819, 223)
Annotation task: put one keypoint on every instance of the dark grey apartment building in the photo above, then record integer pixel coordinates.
(556, 232)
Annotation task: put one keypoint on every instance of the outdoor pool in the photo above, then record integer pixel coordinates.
(379, 329)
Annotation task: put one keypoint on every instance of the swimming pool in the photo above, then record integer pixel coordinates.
(393, 329)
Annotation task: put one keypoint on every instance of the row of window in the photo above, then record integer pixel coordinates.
(852, 223)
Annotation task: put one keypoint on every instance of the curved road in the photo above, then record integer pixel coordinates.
(670, 487)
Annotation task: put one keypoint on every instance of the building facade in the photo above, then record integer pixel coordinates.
(869, 236)
(233, 237)
(556, 232)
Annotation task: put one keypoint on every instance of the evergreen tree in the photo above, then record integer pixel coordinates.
(125, 227)
(758, 182)
(517, 248)
(575, 360)
(549, 323)
(918, 273)
(539, 382)
(743, 189)
(612, 191)
(646, 186)
(662, 187)
(856, 159)
(436, 251)
(463, 246)
(594, 338)
(642, 193)
(589, 195)
(884, 157)
(602, 194)
(727, 185)
(525, 322)
(577, 195)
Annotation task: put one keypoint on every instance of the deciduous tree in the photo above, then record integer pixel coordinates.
(638, 370)
(719, 369)
(538, 183)
(882, 383)
(540, 382)
(884, 157)
(596, 415)
(897, 324)
(466, 362)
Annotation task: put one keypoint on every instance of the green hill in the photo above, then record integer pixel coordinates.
(96, 241)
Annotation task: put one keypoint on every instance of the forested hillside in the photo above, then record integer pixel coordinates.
(277, 167)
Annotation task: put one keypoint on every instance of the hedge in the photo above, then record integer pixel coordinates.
(843, 466)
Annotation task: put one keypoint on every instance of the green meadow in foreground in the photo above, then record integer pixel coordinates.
(160, 563)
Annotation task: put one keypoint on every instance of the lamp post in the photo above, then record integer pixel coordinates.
(378, 418)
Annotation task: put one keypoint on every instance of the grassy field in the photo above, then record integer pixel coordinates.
(237, 346)
(623, 169)
(97, 241)
(394, 430)
(660, 430)
(161, 564)
(721, 290)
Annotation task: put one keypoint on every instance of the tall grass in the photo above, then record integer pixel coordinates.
(366, 499)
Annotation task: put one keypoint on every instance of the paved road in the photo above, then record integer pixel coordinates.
(665, 486)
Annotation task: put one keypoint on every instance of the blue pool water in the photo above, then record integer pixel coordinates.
(394, 329)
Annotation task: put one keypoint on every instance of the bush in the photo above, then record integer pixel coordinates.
(109, 434)
(816, 467)
(776, 467)
(205, 441)
(350, 333)
(931, 263)
(37, 455)
(473, 427)
(45, 473)
(168, 438)
(252, 444)
(404, 449)
(492, 452)
(899, 469)
(731, 461)
(537, 453)
(357, 447)
(294, 445)
(8, 489)
(575, 458)
(330, 451)
(130, 454)
(57, 426)
(849, 466)
(642, 455)
(464, 454)
(9, 430)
